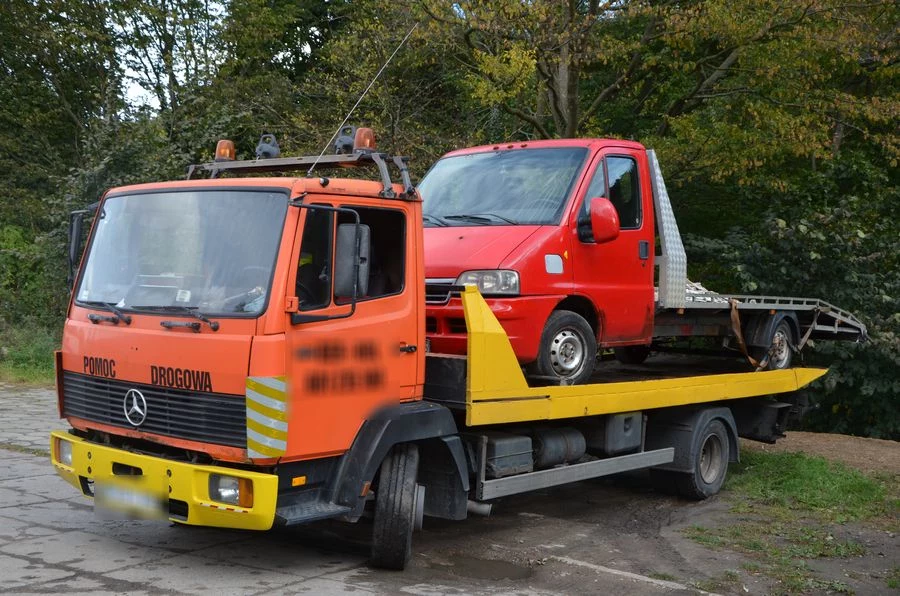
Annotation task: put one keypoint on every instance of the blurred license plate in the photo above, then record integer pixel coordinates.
(129, 497)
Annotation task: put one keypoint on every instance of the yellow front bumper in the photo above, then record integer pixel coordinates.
(187, 483)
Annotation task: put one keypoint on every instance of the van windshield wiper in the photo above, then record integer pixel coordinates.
(191, 311)
(434, 219)
(486, 218)
(118, 315)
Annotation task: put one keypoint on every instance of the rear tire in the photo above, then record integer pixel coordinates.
(632, 354)
(779, 350)
(710, 464)
(395, 508)
(568, 349)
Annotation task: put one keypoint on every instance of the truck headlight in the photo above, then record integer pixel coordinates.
(64, 452)
(492, 281)
(231, 490)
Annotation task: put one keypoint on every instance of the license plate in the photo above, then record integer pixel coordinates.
(129, 497)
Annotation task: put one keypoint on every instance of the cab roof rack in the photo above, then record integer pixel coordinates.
(360, 156)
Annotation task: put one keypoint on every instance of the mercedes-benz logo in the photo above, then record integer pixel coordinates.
(135, 407)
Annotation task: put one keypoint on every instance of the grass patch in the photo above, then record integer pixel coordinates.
(28, 450)
(789, 509)
(26, 354)
(790, 482)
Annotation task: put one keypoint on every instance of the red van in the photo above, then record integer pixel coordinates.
(520, 221)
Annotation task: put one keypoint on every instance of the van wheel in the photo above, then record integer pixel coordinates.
(779, 350)
(568, 349)
(395, 508)
(710, 464)
(632, 354)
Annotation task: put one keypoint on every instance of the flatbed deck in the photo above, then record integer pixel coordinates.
(489, 385)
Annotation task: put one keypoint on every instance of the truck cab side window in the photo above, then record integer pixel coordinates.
(387, 251)
(314, 268)
(624, 191)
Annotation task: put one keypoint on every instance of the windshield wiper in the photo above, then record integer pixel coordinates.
(118, 315)
(188, 310)
(486, 218)
(433, 219)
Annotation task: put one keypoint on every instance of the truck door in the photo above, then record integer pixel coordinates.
(618, 275)
(342, 366)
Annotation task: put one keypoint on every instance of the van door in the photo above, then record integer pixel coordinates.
(618, 275)
(342, 367)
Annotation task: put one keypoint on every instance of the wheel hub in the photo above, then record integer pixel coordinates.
(711, 459)
(780, 351)
(567, 353)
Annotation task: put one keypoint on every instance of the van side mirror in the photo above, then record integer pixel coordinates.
(604, 220)
(76, 221)
(351, 266)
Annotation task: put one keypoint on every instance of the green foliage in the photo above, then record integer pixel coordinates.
(26, 352)
(775, 124)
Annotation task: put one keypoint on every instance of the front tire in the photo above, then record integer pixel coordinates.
(395, 508)
(568, 349)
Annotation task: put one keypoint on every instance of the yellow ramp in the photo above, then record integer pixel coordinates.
(497, 391)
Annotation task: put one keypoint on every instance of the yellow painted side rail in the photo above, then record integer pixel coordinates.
(497, 391)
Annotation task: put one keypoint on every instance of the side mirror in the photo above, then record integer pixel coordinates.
(76, 221)
(604, 220)
(351, 266)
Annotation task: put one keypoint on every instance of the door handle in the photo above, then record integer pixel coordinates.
(408, 349)
(644, 249)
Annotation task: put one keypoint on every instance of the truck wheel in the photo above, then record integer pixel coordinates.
(779, 350)
(395, 508)
(632, 354)
(568, 349)
(710, 464)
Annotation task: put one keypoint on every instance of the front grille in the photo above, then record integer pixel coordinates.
(430, 325)
(438, 291)
(207, 417)
(456, 325)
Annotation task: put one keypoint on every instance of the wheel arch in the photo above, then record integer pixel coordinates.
(761, 327)
(430, 425)
(584, 307)
(677, 427)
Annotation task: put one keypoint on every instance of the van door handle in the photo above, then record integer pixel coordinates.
(407, 349)
(644, 249)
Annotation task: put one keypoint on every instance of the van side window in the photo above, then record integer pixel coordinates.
(624, 191)
(314, 269)
(387, 254)
(597, 188)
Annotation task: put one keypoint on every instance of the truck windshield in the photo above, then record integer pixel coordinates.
(523, 186)
(212, 251)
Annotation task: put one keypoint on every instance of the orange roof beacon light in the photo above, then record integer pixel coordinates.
(225, 151)
(364, 140)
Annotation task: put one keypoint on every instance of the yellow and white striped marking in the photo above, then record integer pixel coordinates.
(266, 417)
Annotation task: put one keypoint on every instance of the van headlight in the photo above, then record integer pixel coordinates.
(492, 281)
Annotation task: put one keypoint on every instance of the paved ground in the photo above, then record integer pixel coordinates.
(586, 538)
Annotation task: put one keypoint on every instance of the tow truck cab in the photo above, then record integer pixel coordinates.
(557, 235)
(254, 344)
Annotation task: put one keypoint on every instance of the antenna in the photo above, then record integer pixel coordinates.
(358, 101)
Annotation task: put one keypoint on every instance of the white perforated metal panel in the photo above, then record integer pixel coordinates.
(673, 262)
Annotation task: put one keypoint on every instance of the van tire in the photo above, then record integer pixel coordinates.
(780, 342)
(568, 348)
(632, 354)
(395, 508)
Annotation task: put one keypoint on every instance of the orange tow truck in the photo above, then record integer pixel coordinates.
(246, 351)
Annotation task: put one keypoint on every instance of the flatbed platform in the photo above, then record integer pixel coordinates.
(489, 385)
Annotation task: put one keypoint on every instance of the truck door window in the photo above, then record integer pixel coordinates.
(624, 191)
(387, 254)
(314, 268)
